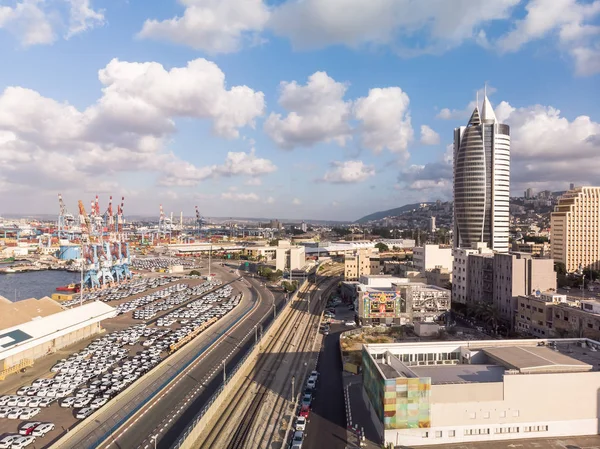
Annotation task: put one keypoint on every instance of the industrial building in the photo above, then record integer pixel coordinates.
(42, 335)
(438, 393)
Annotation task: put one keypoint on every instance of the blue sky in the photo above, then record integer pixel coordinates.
(325, 109)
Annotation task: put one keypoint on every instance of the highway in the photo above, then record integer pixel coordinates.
(166, 414)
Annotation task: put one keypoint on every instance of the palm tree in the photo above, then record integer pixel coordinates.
(489, 314)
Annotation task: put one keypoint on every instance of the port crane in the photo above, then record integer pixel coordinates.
(65, 219)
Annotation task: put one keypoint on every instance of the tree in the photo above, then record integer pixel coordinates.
(382, 247)
(560, 268)
(194, 273)
(341, 231)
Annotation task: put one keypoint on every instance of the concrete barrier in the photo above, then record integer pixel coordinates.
(241, 370)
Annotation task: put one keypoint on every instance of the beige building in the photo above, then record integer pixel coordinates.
(263, 253)
(428, 257)
(516, 275)
(363, 262)
(460, 270)
(441, 393)
(535, 249)
(290, 258)
(439, 276)
(575, 229)
(553, 315)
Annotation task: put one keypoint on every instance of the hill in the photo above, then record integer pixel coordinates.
(389, 213)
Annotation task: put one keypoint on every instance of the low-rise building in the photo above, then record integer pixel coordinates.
(402, 302)
(439, 276)
(263, 253)
(441, 393)
(290, 258)
(362, 262)
(549, 314)
(428, 257)
(535, 249)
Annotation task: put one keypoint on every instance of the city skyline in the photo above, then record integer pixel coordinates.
(265, 119)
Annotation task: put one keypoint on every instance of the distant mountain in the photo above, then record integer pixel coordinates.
(389, 213)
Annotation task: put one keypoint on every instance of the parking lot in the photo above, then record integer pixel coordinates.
(152, 325)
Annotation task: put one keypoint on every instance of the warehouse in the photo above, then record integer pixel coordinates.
(40, 336)
(470, 391)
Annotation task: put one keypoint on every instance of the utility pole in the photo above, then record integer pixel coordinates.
(209, 259)
(224, 375)
(255, 333)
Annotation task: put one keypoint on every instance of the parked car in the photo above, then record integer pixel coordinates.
(300, 423)
(43, 429)
(6, 442)
(21, 442)
(350, 323)
(306, 399)
(298, 438)
(84, 413)
(28, 428)
(304, 411)
(311, 383)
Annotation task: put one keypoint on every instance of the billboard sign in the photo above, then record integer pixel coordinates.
(383, 304)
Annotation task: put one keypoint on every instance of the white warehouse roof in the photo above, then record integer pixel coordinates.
(28, 335)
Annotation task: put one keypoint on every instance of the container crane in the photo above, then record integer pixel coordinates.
(65, 219)
(109, 220)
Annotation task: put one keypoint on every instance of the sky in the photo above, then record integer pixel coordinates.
(322, 109)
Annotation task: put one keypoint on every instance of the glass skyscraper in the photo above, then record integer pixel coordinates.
(482, 181)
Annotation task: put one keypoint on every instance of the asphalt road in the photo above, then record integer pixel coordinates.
(205, 377)
(327, 421)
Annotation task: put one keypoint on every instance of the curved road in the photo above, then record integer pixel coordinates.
(167, 414)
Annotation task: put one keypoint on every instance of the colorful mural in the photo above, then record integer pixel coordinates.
(383, 304)
(400, 403)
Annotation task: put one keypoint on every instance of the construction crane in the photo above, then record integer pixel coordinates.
(65, 219)
(109, 220)
(199, 222)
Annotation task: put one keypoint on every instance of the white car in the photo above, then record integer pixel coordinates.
(29, 413)
(15, 412)
(6, 442)
(24, 401)
(300, 423)
(311, 383)
(21, 442)
(84, 413)
(81, 402)
(98, 402)
(43, 429)
(46, 402)
(68, 402)
(35, 402)
(25, 430)
(350, 323)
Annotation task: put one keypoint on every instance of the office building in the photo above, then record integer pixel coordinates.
(482, 181)
(428, 257)
(549, 314)
(290, 258)
(460, 273)
(364, 261)
(426, 393)
(432, 226)
(516, 275)
(575, 229)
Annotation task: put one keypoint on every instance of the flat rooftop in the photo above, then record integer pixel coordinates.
(532, 359)
(441, 374)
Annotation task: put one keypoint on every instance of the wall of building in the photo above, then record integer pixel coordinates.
(529, 402)
(428, 257)
(52, 345)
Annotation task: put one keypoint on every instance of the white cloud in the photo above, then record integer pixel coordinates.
(253, 182)
(296, 202)
(348, 172)
(270, 200)
(570, 20)
(37, 22)
(240, 196)
(215, 26)
(465, 113)
(444, 24)
(83, 17)
(385, 120)
(126, 129)
(183, 173)
(429, 136)
(548, 148)
(317, 113)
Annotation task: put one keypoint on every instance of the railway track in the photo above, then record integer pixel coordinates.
(282, 341)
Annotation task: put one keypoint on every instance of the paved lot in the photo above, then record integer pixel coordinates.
(590, 442)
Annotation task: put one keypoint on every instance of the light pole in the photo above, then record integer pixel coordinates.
(293, 380)
(155, 437)
(224, 375)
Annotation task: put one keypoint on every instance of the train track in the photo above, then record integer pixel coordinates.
(282, 340)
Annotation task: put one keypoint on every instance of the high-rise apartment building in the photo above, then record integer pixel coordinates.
(575, 229)
(482, 181)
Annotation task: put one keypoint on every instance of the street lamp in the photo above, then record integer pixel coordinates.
(155, 437)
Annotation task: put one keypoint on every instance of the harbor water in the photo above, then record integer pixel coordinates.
(34, 284)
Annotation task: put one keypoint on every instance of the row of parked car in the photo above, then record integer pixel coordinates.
(123, 290)
(142, 301)
(304, 412)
